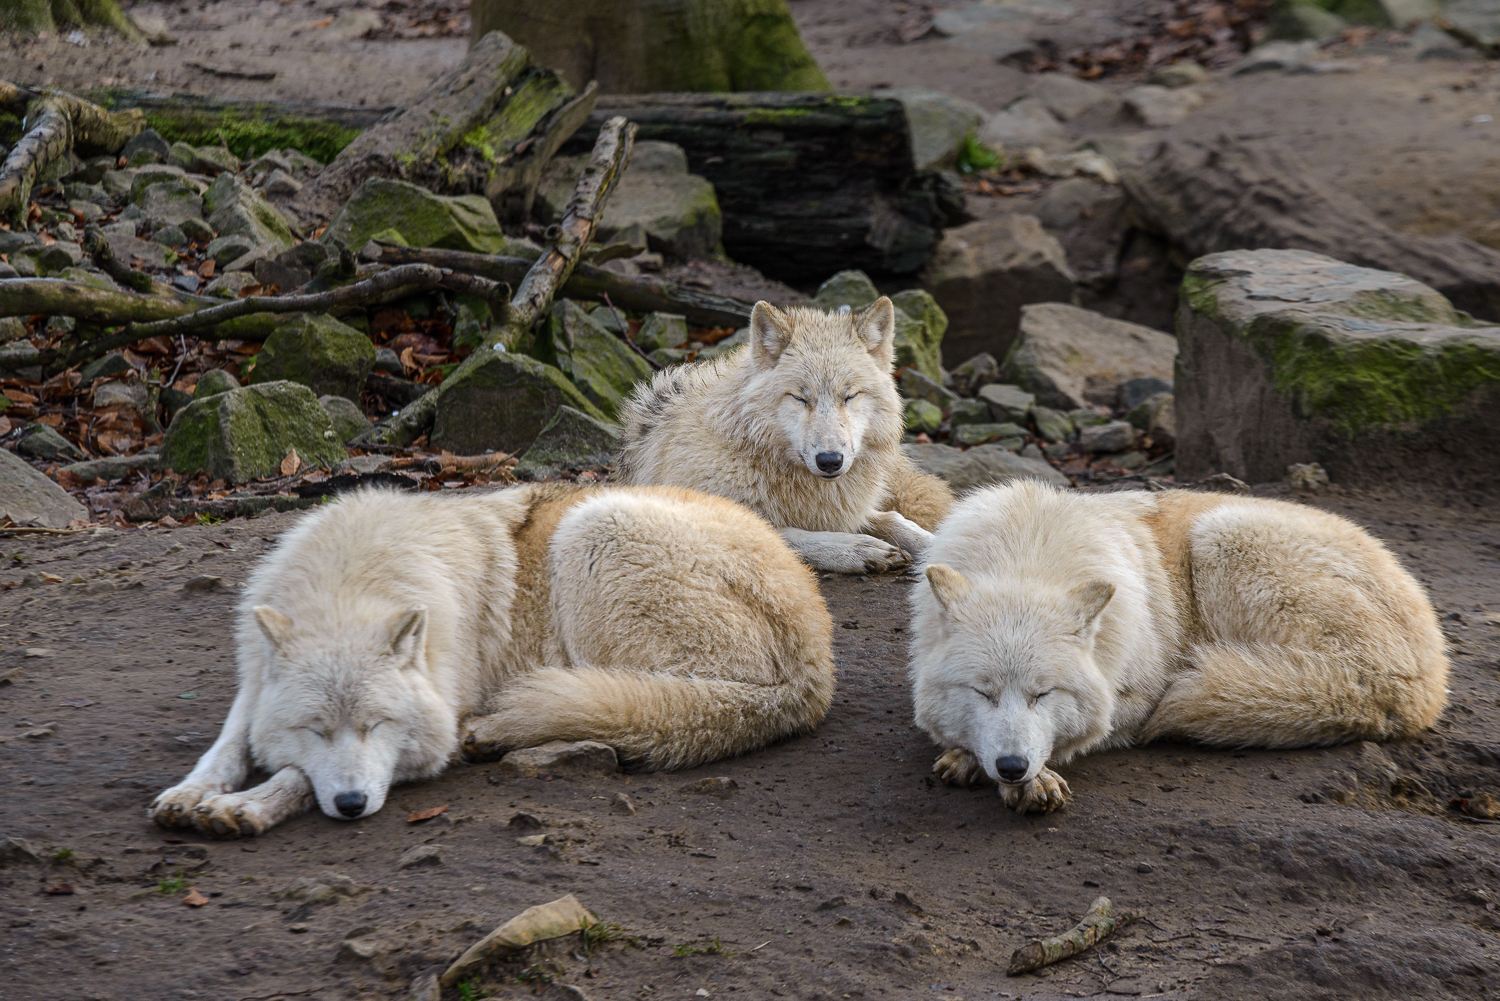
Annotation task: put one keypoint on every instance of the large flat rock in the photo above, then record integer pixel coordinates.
(1288, 356)
(982, 466)
(31, 500)
(1071, 358)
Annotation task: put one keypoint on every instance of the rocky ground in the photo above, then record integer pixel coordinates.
(831, 866)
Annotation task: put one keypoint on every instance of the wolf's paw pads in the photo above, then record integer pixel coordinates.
(957, 767)
(228, 816)
(877, 556)
(174, 808)
(1047, 792)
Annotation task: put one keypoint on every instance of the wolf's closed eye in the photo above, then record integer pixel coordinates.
(1038, 697)
(992, 700)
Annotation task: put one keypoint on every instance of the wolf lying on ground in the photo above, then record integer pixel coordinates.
(1054, 623)
(802, 426)
(674, 626)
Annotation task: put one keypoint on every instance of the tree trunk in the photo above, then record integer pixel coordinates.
(32, 16)
(659, 45)
(807, 183)
(488, 127)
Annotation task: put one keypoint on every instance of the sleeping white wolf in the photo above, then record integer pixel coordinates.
(674, 626)
(1055, 623)
(804, 427)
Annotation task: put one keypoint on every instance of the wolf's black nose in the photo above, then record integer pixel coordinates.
(350, 804)
(830, 462)
(1012, 767)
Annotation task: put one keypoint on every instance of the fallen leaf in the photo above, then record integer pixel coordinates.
(194, 899)
(60, 890)
(206, 269)
(291, 463)
(421, 815)
(320, 24)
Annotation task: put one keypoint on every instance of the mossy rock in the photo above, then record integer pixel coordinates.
(501, 403)
(213, 382)
(244, 434)
(922, 416)
(347, 419)
(319, 352)
(571, 440)
(1288, 356)
(600, 364)
(920, 321)
(236, 209)
(423, 219)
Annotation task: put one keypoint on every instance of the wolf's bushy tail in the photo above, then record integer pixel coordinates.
(1268, 695)
(657, 721)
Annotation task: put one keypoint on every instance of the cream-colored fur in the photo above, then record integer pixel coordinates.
(674, 626)
(750, 426)
(1054, 623)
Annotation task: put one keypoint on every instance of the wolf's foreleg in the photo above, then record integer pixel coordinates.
(912, 539)
(843, 552)
(222, 768)
(1043, 794)
(258, 809)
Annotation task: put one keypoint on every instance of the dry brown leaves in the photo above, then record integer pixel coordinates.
(1211, 33)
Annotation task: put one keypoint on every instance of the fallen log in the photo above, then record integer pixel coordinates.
(55, 123)
(1207, 196)
(1099, 922)
(488, 127)
(541, 283)
(802, 180)
(641, 295)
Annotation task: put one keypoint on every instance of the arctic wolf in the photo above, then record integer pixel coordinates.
(1051, 624)
(803, 426)
(674, 626)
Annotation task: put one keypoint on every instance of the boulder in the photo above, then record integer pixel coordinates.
(1008, 403)
(602, 365)
(244, 434)
(1067, 97)
(982, 466)
(920, 322)
(345, 416)
(1071, 358)
(41, 442)
(328, 357)
(1010, 436)
(983, 273)
(1299, 20)
(1091, 222)
(225, 249)
(146, 146)
(171, 202)
(236, 209)
(560, 758)
(463, 222)
(678, 211)
(1111, 436)
(130, 393)
(661, 330)
(973, 375)
(571, 440)
(31, 500)
(1024, 124)
(1134, 392)
(965, 411)
(1052, 425)
(105, 367)
(502, 403)
(915, 385)
(1288, 356)
(938, 123)
(1158, 107)
(923, 417)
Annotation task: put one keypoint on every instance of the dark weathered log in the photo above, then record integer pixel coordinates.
(14, 99)
(1100, 922)
(541, 283)
(55, 123)
(1211, 195)
(489, 126)
(807, 183)
(642, 295)
(104, 307)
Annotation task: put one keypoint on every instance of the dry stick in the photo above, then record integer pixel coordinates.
(644, 295)
(56, 123)
(1100, 922)
(543, 280)
(103, 255)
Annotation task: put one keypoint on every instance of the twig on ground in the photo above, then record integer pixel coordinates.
(1100, 921)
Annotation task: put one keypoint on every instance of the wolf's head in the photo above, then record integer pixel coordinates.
(350, 712)
(827, 377)
(1011, 676)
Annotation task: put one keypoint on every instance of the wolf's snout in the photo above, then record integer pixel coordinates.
(350, 804)
(830, 463)
(1012, 767)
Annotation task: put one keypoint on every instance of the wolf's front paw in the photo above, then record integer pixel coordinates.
(230, 815)
(912, 539)
(483, 740)
(872, 555)
(1043, 794)
(174, 807)
(957, 767)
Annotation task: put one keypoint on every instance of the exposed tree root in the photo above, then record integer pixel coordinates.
(1100, 922)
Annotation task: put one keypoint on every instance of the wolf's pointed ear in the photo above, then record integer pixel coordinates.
(876, 327)
(949, 586)
(1089, 600)
(277, 627)
(409, 633)
(770, 333)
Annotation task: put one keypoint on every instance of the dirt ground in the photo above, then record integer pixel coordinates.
(836, 869)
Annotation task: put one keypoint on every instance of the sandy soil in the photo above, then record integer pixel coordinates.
(1256, 884)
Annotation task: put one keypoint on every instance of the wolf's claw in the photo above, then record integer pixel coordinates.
(957, 767)
(174, 807)
(1043, 794)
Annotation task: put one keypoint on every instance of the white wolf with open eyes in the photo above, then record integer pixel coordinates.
(802, 426)
(1052, 623)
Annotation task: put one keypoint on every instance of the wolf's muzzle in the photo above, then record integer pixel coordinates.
(1012, 767)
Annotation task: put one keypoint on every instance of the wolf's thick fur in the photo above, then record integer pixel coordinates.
(674, 626)
(1054, 623)
(751, 426)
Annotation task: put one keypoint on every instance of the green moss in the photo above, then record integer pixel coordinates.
(244, 434)
(974, 155)
(247, 131)
(10, 128)
(319, 352)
